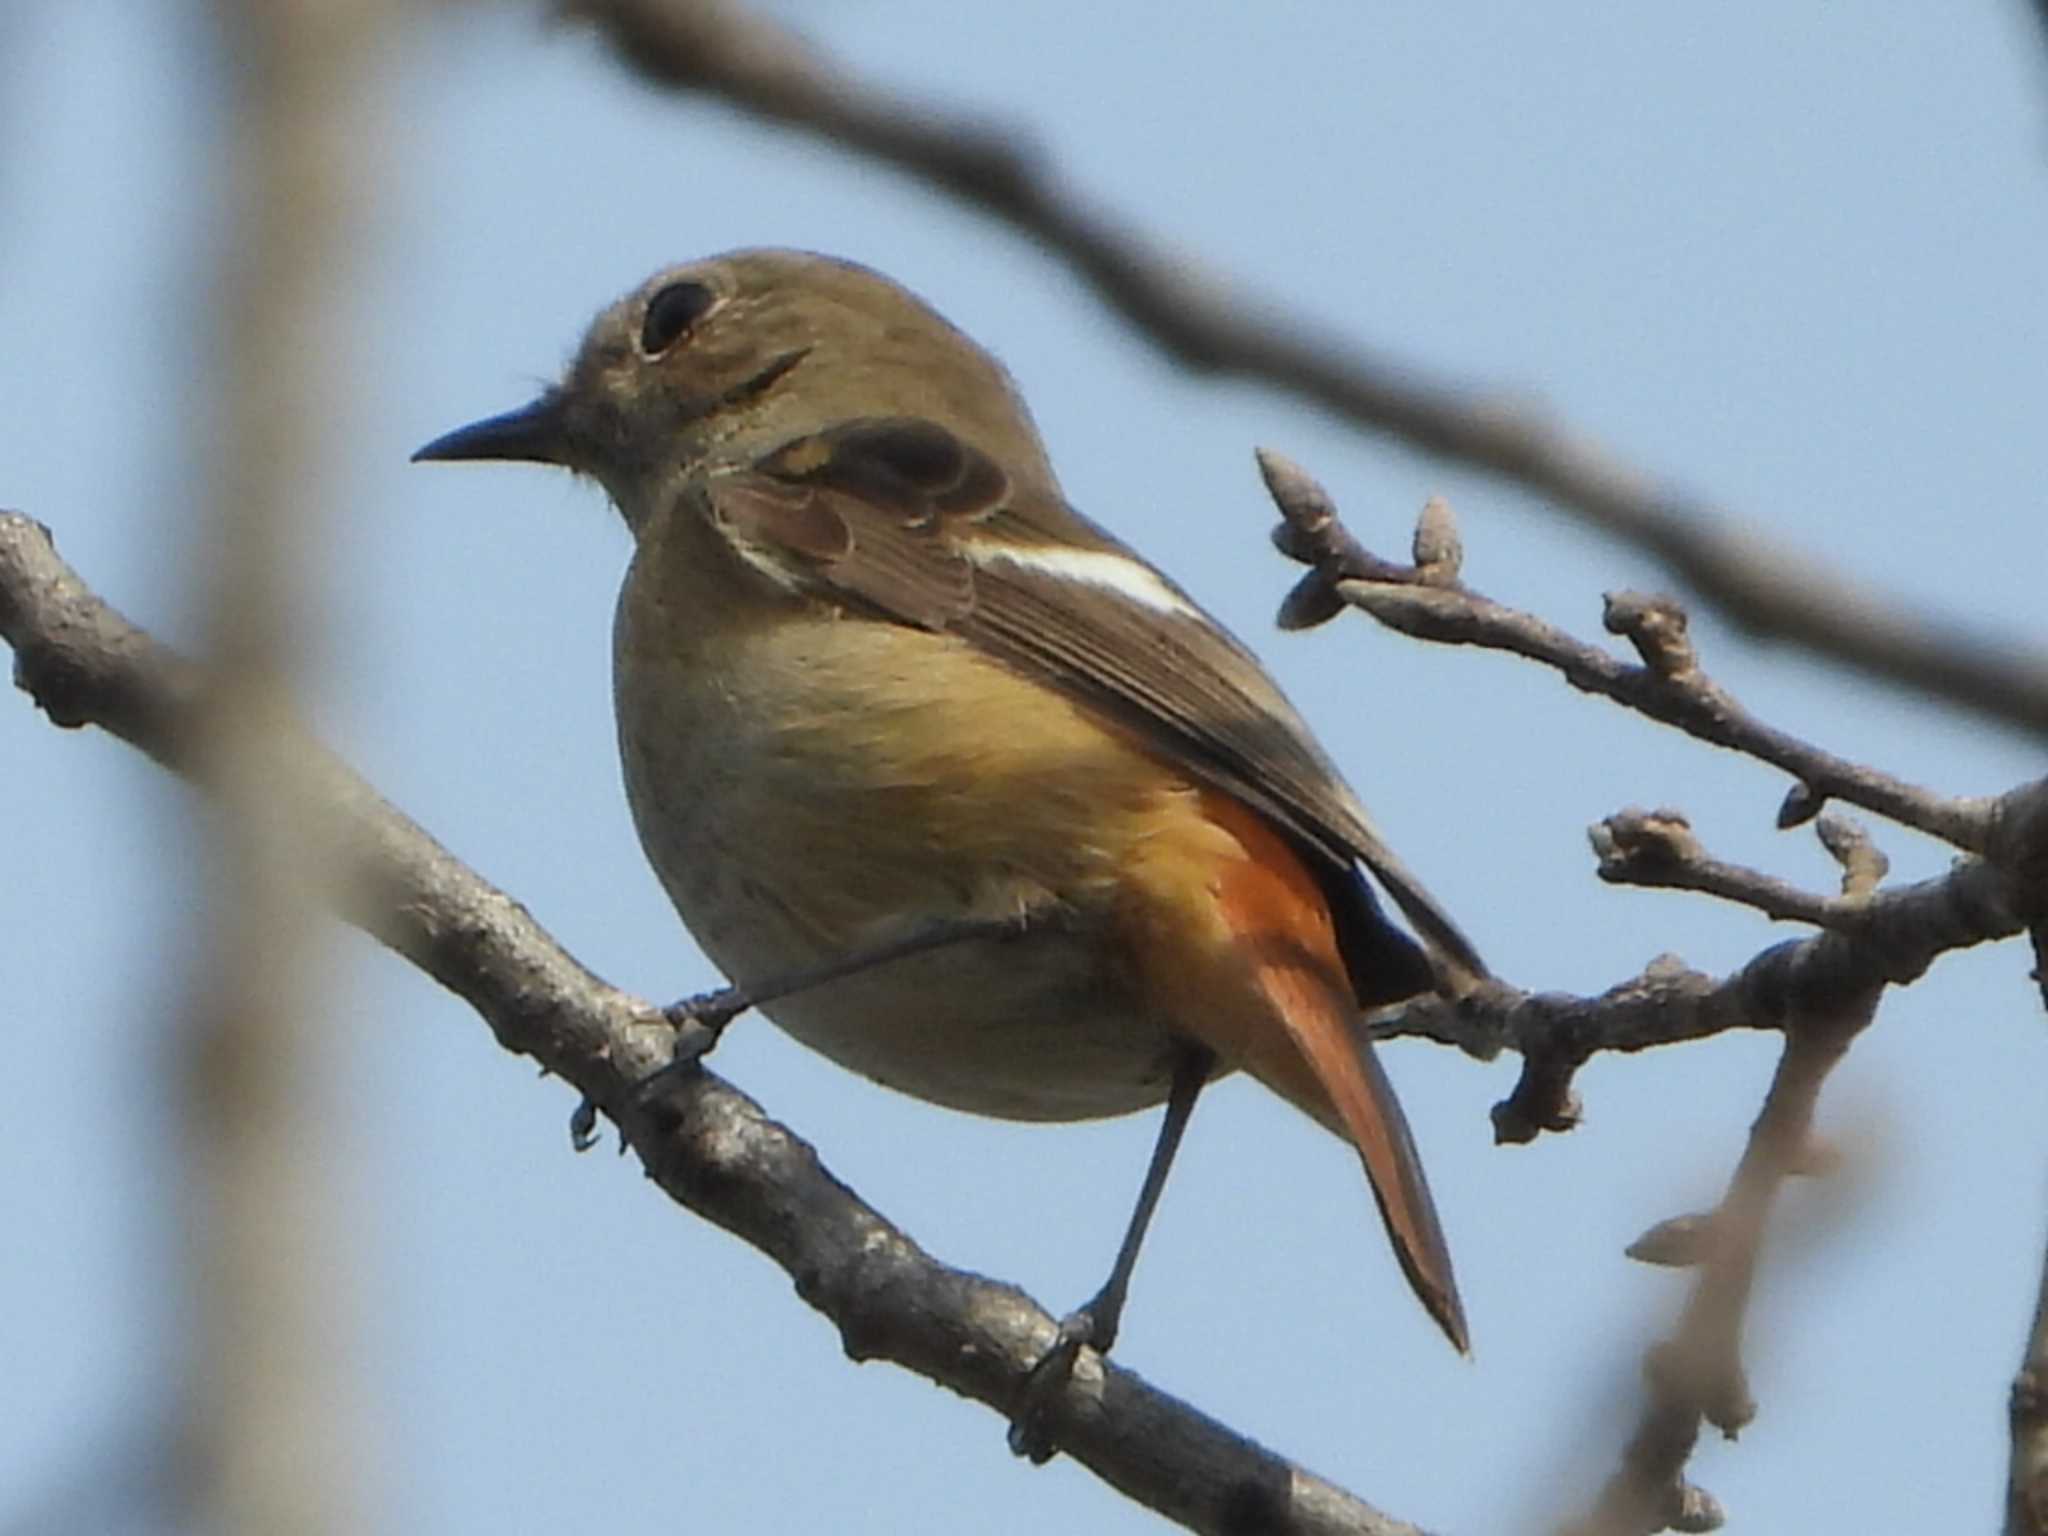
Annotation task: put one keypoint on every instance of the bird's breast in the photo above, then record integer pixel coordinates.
(809, 783)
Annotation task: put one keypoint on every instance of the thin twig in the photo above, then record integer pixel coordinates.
(1658, 850)
(1877, 937)
(1820, 993)
(723, 50)
(1897, 933)
(1667, 686)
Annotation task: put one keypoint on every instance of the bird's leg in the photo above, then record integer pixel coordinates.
(700, 1020)
(1095, 1322)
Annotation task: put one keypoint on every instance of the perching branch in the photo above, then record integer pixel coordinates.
(723, 50)
(710, 1147)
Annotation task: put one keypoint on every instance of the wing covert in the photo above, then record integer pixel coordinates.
(900, 517)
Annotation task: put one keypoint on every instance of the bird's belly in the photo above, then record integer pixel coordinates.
(1023, 1029)
(810, 795)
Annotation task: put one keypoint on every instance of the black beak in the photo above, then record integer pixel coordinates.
(533, 434)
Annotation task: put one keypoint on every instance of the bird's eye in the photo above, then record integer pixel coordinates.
(670, 313)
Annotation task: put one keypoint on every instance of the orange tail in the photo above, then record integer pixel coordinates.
(1281, 921)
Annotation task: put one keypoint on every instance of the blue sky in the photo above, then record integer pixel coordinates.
(1787, 255)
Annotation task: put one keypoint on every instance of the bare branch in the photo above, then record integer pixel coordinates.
(1864, 864)
(708, 1146)
(720, 49)
(1657, 850)
(1668, 687)
(1887, 939)
(2026, 1494)
(2019, 842)
(2026, 1510)
(2026, 1502)
(1820, 993)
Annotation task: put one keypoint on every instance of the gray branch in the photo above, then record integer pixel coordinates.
(1819, 993)
(1897, 934)
(1428, 602)
(708, 1145)
(1873, 937)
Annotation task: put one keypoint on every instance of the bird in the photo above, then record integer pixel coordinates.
(960, 789)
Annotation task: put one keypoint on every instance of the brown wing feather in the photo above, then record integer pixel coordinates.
(874, 512)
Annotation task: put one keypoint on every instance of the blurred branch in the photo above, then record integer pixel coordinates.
(267, 1442)
(721, 49)
(2026, 1507)
(708, 1146)
(1696, 1377)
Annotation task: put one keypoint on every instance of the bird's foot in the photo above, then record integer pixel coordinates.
(1031, 1424)
(700, 1021)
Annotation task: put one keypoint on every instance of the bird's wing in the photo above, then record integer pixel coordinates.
(901, 518)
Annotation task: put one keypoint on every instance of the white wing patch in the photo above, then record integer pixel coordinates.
(1130, 579)
(769, 562)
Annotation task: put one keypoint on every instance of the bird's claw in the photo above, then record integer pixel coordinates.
(583, 1133)
(1031, 1426)
(699, 1021)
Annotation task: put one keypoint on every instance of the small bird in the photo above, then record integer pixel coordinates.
(970, 797)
